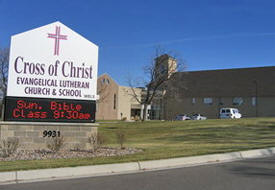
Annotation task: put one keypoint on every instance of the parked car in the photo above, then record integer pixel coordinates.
(230, 113)
(198, 117)
(182, 117)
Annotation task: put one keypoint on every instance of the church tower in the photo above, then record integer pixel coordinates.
(165, 66)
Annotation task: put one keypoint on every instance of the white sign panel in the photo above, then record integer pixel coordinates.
(52, 61)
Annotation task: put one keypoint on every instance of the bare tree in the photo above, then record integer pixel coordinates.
(103, 92)
(156, 76)
(4, 66)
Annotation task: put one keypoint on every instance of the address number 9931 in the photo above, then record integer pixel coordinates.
(50, 133)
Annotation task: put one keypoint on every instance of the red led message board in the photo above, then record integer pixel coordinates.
(49, 110)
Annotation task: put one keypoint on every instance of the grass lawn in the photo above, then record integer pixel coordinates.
(169, 139)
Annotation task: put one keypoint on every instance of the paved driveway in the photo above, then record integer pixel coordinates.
(250, 174)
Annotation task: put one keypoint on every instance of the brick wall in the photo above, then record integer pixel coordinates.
(30, 135)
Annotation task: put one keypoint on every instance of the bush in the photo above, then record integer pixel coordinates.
(124, 119)
(121, 138)
(8, 147)
(56, 144)
(137, 118)
(96, 141)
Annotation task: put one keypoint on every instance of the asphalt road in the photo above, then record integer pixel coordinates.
(249, 174)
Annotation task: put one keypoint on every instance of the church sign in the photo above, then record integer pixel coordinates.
(52, 76)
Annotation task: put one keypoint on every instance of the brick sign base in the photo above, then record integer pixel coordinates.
(36, 136)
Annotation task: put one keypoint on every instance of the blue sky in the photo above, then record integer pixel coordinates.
(207, 34)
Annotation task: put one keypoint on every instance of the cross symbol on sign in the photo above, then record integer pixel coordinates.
(57, 36)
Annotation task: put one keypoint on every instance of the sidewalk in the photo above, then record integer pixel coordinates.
(132, 167)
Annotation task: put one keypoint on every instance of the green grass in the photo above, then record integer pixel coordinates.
(169, 139)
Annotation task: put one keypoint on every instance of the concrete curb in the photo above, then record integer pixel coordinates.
(189, 161)
(109, 169)
(7, 177)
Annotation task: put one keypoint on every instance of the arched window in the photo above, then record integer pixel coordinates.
(114, 101)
